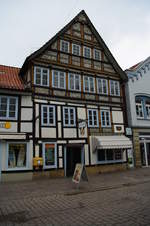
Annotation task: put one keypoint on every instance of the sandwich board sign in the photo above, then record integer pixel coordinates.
(79, 173)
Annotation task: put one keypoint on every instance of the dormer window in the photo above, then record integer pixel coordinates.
(87, 52)
(64, 46)
(41, 76)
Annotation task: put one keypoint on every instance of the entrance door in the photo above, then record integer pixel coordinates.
(148, 154)
(73, 157)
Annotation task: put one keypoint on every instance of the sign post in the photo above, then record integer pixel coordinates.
(79, 173)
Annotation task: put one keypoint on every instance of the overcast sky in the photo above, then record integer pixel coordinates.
(25, 25)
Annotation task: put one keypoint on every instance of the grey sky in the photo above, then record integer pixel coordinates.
(25, 25)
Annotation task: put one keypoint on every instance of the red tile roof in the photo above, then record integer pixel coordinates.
(9, 78)
(134, 67)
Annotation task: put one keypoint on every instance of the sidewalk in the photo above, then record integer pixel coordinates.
(65, 186)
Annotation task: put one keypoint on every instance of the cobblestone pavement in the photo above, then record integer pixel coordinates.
(113, 199)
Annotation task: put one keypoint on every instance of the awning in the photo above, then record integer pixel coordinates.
(12, 136)
(110, 142)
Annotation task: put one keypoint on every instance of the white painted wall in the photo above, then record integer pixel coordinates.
(13, 127)
(26, 127)
(26, 114)
(26, 101)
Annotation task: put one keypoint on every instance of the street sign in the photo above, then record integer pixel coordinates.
(79, 173)
(128, 131)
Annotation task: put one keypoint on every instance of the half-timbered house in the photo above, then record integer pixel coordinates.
(78, 102)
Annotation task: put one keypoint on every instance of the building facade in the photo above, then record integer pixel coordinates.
(138, 108)
(74, 108)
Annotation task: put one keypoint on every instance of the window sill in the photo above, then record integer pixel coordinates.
(109, 162)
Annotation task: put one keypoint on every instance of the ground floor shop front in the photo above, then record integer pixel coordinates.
(57, 158)
(141, 142)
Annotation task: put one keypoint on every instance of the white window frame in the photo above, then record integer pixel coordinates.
(74, 117)
(112, 83)
(66, 42)
(85, 47)
(147, 106)
(53, 84)
(7, 111)
(102, 86)
(74, 81)
(105, 115)
(42, 118)
(93, 110)
(94, 54)
(43, 154)
(89, 86)
(27, 157)
(139, 105)
(73, 44)
(41, 75)
(110, 161)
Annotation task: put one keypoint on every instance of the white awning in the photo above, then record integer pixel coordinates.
(12, 136)
(110, 142)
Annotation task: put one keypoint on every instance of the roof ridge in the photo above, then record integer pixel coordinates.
(9, 66)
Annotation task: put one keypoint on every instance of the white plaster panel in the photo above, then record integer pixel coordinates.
(60, 151)
(58, 113)
(81, 113)
(93, 154)
(86, 151)
(26, 127)
(37, 151)
(70, 132)
(117, 116)
(59, 129)
(13, 127)
(26, 114)
(26, 101)
(48, 132)
(60, 163)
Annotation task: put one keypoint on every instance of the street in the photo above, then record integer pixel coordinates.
(120, 198)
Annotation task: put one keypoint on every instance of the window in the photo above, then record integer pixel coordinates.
(147, 106)
(74, 82)
(41, 76)
(17, 155)
(8, 107)
(69, 116)
(48, 115)
(50, 155)
(87, 52)
(114, 88)
(59, 79)
(102, 86)
(76, 49)
(139, 110)
(109, 155)
(93, 118)
(64, 46)
(105, 118)
(97, 54)
(89, 85)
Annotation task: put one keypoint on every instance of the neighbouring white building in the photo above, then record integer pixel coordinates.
(138, 108)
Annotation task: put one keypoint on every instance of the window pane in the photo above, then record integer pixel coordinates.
(86, 84)
(109, 154)
(71, 81)
(45, 115)
(77, 82)
(71, 117)
(104, 86)
(17, 154)
(96, 54)
(91, 84)
(65, 46)
(112, 90)
(51, 115)
(12, 107)
(3, 107)
(76, 49)
(49, 154)
(100, 86)
(101, 155)
(117, 88)
(55, 79)
(87, 52)
(45, 77)
(118, 155)
(62, 80)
